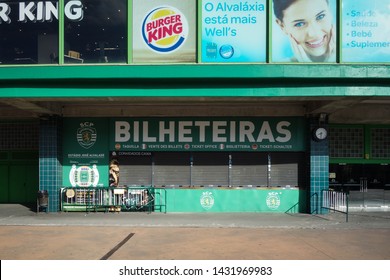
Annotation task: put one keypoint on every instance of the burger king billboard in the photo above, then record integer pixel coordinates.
(164, 31)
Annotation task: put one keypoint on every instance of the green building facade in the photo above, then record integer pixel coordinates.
(106, 99)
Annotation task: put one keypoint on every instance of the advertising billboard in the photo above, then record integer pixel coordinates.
(191, 31)
(164, 31)
(234, 31)
(304, 31)
(366, 31)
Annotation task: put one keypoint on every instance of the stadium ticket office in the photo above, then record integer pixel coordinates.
(237, 136)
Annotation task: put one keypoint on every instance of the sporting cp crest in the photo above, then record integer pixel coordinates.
(207, 200)
(86, 135)
(273, 200)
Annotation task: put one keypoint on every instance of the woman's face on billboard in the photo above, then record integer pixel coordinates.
(309, 24)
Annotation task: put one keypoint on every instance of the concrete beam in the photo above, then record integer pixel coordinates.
(31, 108)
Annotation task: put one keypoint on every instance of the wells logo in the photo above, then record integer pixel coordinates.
(164, 29)
(86, 135)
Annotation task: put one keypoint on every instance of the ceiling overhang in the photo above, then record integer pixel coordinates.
(375, 110)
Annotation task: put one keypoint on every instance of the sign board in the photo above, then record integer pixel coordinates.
(366, 31)
(87, 142)
(234, 31)
(85, 153)
(304, 31)
(164, 31)
(207, 134)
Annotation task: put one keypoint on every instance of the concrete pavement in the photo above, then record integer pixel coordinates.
(274, 236)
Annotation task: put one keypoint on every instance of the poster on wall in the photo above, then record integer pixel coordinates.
(164, 31)
(304, 31)
(85, 156)
(366, 31)
(233, 31)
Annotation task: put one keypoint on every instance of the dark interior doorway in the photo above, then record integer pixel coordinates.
(368, 184)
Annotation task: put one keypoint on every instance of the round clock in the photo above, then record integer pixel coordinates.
(320, 133)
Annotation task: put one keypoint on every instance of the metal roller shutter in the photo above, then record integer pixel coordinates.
(210, 169)
(249, 169)
(135, 170)
(172, 169)
(284, 169)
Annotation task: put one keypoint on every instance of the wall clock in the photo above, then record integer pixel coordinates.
(320, 133)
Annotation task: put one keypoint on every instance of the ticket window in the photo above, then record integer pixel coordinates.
(210, 169)
(134, 170)
(249, 169)
(172, 169)
(286, 169)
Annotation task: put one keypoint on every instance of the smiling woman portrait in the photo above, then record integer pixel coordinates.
(309, 27)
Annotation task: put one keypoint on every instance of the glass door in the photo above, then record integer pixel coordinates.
(377, 191)
(368, 184)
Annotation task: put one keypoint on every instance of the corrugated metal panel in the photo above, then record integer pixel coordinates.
(135, 170)
(172, 169)
(249, 169)
(284, 169)
(210, 169)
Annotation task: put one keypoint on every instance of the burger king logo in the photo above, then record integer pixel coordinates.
(164, 29)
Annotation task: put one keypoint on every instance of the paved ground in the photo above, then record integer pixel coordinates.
(207, 236)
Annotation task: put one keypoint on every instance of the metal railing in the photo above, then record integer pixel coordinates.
(295, 207)
(314, 197)
(113, 199)
(336, 201)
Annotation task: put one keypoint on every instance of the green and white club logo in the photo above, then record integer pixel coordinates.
(86, 135)
(207, 200)
(273, 200)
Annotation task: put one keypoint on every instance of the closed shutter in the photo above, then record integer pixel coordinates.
(249, 169)
(210, 169)
(172, 169)
(284, 169)
(135, 170)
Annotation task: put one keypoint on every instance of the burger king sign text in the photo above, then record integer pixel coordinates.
(164, 29)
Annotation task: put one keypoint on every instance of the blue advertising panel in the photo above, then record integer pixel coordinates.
(304, 31)
(234, 31)
(366, 31)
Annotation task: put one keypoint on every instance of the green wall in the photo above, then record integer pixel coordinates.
(232, 200)
(19, 177)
